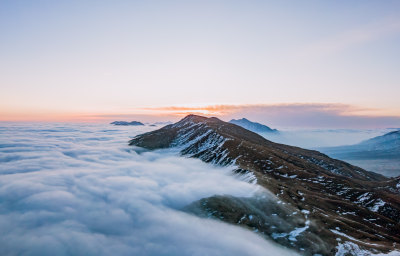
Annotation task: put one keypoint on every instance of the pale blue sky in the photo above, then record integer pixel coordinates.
(66, 57)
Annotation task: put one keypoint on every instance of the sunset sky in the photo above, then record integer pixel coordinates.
(336, 63)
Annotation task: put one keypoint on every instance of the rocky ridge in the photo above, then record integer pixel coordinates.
(321, 205)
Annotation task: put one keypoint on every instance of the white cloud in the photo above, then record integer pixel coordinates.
(80, 190)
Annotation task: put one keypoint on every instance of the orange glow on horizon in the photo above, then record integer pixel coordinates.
(173, 113)
(221, 110)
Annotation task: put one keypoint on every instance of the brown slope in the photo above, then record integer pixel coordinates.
(359, 203)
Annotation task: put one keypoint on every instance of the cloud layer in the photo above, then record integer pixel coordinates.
(80, 190)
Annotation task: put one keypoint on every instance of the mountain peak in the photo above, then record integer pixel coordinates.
(252, 126)
(197, 119)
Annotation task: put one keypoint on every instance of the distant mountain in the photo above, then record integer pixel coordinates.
(382, 147)
(252, 126)
(380, 154)
(162, 123)
(133, 123)
(321, 204)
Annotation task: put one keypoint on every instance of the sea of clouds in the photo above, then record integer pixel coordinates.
(79, 189)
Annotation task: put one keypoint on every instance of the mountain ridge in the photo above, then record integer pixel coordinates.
(385, 146)
(311, 182)
(253, 126)
(380, 154)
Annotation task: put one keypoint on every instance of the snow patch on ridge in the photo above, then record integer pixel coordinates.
(247, 176)
(378, 204)
(350, 248)
(197, 139)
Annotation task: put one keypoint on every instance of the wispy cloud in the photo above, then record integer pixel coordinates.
(313, 115)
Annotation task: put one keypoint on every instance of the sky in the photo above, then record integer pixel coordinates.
(100, 60)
